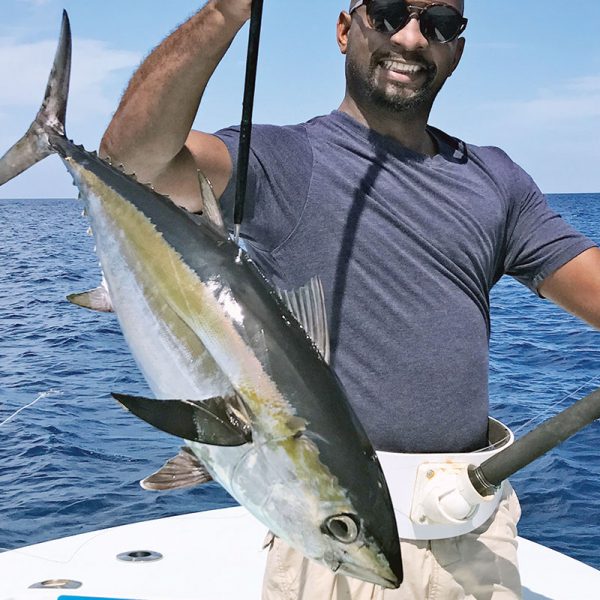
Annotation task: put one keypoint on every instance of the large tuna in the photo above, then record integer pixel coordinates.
(238, 377)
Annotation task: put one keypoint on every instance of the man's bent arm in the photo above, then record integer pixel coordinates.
(576, 286)
(150, 132)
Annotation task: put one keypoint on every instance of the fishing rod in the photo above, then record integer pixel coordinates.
(490, 474)
(247, 109)
(449, 494)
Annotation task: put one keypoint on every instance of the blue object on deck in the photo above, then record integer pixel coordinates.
(89, 598)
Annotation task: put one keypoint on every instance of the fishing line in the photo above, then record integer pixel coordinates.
(495, 445)
(40, 397)
(540, 417)
(550, 410)
(247, 109)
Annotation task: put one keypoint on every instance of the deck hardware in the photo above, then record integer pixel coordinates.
(56, 584)
(139, 556)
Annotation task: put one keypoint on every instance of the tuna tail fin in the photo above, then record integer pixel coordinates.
(50, 120)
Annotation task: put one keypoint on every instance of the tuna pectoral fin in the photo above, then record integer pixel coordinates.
(210, 422)
(307, 304)
(182, 471)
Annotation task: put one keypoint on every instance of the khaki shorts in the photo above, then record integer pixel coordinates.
(481, 565)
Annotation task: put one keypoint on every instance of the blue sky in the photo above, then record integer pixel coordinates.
(529, 81)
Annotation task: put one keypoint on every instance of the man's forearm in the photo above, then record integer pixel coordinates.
(158, 108)
(576, 286)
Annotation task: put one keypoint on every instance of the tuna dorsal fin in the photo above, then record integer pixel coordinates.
(181, 471)
(96, 299)
(209, 421)
(210, 203)
(308, 306)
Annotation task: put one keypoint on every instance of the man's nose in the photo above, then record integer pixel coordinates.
(410, 36)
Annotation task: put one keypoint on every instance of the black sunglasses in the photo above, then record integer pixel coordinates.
(438, 22)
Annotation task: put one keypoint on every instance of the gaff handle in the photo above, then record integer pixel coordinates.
(247, 109)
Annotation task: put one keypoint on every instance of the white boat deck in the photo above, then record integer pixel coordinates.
(214, 555)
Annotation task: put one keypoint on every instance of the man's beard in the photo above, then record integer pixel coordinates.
(388, 97)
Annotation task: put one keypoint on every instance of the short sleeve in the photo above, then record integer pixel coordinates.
(539, 240)
(279, 173)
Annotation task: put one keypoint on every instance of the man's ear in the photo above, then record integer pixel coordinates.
(460, 47)
(343, 26)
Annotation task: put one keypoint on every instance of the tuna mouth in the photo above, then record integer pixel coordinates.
(387, 580)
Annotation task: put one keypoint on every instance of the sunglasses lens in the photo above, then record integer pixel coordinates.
(441, 23)
(387, 15)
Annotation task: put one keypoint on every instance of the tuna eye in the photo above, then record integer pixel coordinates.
(344, 528)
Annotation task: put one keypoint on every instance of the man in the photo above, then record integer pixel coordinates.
(408, 229)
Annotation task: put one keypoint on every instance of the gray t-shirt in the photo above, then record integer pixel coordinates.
(408, 247)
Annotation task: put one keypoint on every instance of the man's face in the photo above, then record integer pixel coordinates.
(402, 72)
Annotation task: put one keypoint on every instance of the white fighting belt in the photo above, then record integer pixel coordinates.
(432, 494)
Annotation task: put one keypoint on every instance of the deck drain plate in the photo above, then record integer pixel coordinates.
(139, 556)
(56, 584)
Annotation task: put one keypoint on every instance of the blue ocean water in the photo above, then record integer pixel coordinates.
(71, 459)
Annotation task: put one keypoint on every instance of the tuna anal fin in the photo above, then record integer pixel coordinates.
(307, 304)
(181, 471)
(208, 421)
(96, 299)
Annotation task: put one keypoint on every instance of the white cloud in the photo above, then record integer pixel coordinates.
(552, 131)
(573, 99)
(23, 65)
(26, 67)
(94, 66)
(589, 83)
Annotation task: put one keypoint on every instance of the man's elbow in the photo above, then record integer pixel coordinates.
(112, 148)
(129, 155)
(105, 148)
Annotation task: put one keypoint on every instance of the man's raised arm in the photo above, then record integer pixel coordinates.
(150, 132)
